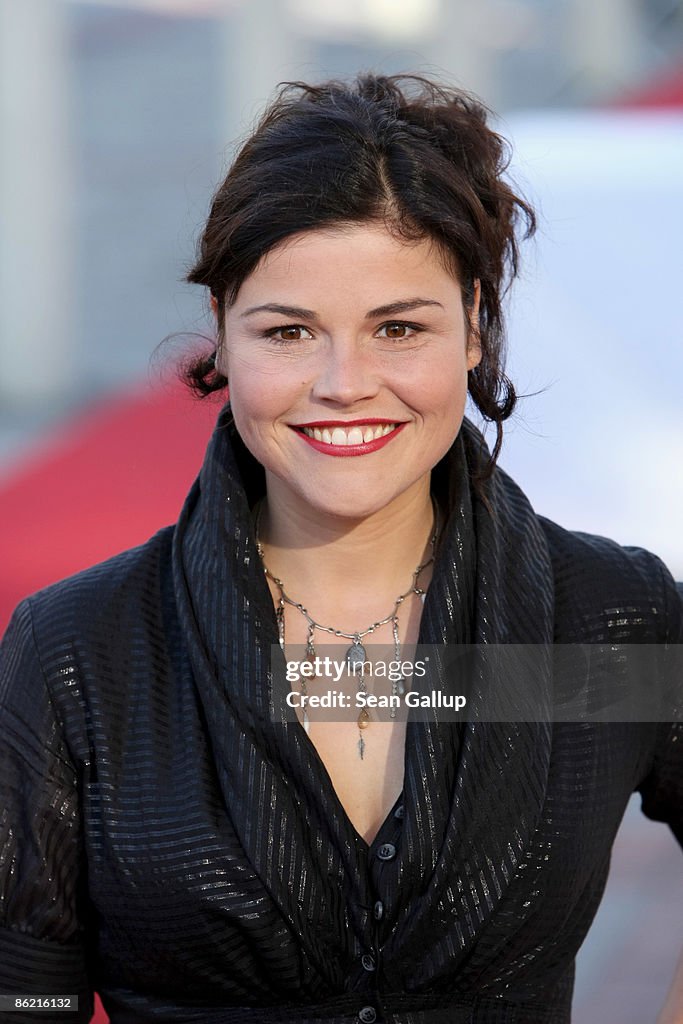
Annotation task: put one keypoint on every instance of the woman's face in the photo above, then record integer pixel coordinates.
(346, 354)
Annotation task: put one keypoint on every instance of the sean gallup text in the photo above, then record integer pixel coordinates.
(362, 699)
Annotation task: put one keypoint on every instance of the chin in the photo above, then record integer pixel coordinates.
(350, 504)
(345, 506)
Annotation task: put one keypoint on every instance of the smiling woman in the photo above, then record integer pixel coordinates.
(213, 814)
(350, 382)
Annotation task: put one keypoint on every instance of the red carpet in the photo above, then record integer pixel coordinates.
(103, 482)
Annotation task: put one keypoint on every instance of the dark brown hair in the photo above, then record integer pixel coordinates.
(401, 149)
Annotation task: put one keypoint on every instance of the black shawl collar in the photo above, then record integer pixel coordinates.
(474, 826)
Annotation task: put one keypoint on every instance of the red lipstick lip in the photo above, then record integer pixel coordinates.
(372, 420)
(345, 451)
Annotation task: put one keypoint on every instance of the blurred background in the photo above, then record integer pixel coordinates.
(117, 120)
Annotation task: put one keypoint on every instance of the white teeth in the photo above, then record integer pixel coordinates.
(354, 436)
(339, 436)
(343, 436)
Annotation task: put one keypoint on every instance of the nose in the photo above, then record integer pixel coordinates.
(346, 375)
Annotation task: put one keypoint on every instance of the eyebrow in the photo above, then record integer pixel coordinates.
(298, 312)
(401, 306)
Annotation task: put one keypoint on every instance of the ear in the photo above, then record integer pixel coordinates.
(220, 359)
(473, 337)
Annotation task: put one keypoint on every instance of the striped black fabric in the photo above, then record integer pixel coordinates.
(169, 840)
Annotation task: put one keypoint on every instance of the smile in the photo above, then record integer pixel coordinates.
(351, 439)
(349, 435)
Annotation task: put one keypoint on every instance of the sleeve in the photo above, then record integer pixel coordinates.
(662, 788)
(42, 868)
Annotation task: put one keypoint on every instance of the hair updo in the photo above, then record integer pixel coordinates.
(401, 149)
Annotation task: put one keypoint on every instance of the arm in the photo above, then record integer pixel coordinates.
(42, 899)
(662, 790)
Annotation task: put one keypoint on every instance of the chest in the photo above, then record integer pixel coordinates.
(368, 787)
(215, 847)
(361, 747)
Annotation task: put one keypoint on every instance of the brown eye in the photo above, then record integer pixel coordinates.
(290, 333)
(397, 331)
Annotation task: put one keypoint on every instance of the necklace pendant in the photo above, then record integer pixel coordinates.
(355, 655)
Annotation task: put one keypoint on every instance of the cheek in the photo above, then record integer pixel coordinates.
(260, 402)
(440, 390)
(442, 404)
(252, 423)
(251, 390)
(251, 411)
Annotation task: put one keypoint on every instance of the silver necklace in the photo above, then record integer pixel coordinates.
(356, 654)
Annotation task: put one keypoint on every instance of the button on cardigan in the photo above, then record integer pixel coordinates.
(170, 840)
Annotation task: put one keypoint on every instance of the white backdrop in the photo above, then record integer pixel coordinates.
(597, 322)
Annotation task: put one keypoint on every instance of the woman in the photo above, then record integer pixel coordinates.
(174, 837)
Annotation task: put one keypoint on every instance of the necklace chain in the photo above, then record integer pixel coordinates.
(360, 634)
(356, 654)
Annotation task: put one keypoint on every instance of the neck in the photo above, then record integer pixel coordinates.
(320, 557)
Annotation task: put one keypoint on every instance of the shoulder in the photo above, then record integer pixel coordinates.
(605, 589)
(103, 612)
(79, 653)
(92, 637)
(107, 588)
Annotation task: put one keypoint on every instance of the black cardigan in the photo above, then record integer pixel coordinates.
(168, 841)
